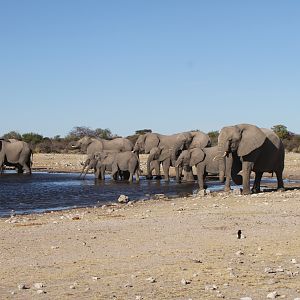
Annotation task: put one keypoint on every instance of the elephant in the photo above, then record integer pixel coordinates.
(16, 153)
(205, 162)
(159, 155)
(92, 145)
(253, 149)
(119, 163)
(175, 143)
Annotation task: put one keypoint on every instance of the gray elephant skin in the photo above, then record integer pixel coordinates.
(205, 163)
(93, 145)
(119, 163)
(253, 149)
(16, 153)
(174, 143)
(162, 156)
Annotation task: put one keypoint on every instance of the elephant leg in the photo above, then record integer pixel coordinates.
(178, 179)
(20, 169)
(189, 174)
(280, 185)
(246, 171)
(166, 168)
(228, 168)
(114, 171)
(200, 175)
(137, 174)
(256, 185)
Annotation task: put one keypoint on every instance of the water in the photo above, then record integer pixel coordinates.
(42, 191)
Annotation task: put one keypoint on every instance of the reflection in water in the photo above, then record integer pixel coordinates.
(54, 191)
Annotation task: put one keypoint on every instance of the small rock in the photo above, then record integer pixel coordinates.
(293, 261)
(212, 287)
(237, 192)
(123, 199)
(272, 295)
(128, 285)
(72, 287)
(279, 269)
(38, 285)
(22, 286)
(138, 297)
(246, 298)
(201, 193)
(151, 279)
(185, 282)
(40, 292)
(95, 278)
(239, 253)
(54, 247)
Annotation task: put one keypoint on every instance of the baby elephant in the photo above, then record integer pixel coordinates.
(120, 163)
(205, 162)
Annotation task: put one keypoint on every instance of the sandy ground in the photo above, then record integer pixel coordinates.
(184, 248)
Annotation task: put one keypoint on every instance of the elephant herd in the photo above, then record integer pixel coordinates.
(241, 149)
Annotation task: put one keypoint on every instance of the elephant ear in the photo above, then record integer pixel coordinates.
(165, 154)
(197, 155)
(252, 138)
(151, 141)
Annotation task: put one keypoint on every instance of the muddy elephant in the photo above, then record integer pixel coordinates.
(120, 163)
(205, 163)
(253, 149)
(175, 143)
(93, 145)
(16, 153)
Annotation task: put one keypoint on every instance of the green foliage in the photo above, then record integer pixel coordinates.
(281, 131)
(12, 135)
(32, 138)
(213, 137)
(80, 131)
(143, 131)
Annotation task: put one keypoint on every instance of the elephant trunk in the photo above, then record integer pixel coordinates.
(222, 151)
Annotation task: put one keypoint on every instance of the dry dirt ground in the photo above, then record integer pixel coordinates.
(184, 248)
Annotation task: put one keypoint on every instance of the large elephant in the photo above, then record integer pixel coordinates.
(253, 149)
(174, 143)
(93, 145)
(16, 153)
(205, 163)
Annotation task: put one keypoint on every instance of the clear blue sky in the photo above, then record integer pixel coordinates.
(167, 65)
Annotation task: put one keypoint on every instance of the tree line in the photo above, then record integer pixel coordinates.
(58, 144)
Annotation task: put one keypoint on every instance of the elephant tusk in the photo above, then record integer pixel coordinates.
(217, 156)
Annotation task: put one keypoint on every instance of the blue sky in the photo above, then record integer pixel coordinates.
(167, 65)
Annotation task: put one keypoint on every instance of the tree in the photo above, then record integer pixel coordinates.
(281, 131)
(213, 137)
(143, 131)
(103, 133)
(12, 135)
(32, 138)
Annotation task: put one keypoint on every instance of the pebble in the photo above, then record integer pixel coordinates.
(293, 261)
(38, 285)
(239, 253)
(40, 292)
(246, 298)
(95, 278)
(22, 286)
(211, 287)
(123, 199)
(151, 279)
(54, 247)
(272, 295)
(185, 282)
